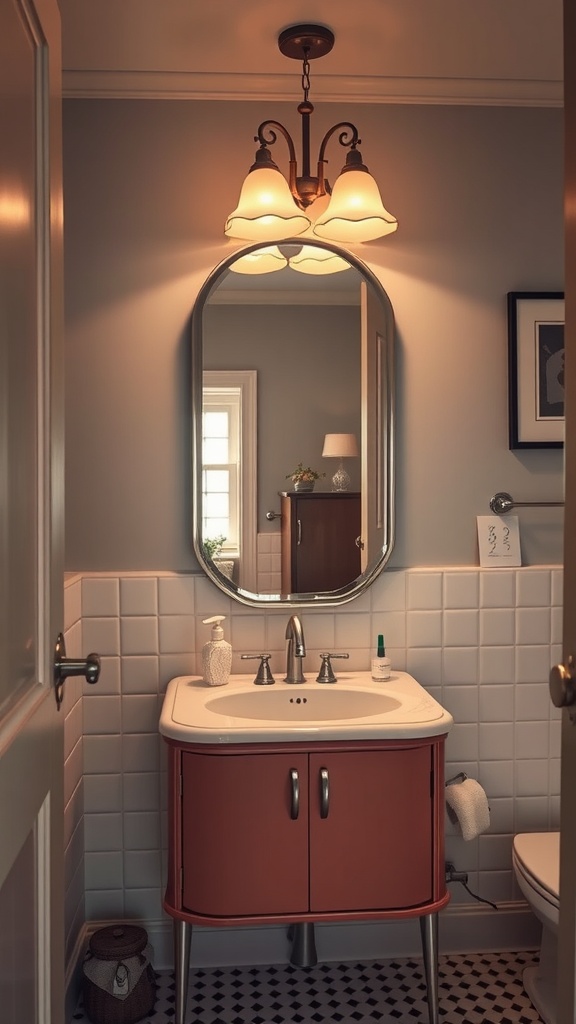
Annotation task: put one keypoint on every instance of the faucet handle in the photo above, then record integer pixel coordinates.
(264, 675)
(326, 673)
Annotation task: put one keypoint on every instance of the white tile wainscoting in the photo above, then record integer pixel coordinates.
(269, 562)
(480, 640)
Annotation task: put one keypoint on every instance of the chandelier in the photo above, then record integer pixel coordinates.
(306, 259)
(271, 208)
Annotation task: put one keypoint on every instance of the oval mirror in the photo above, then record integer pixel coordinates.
(292, 371)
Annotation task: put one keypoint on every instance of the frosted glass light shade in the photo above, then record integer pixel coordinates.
(261, 261)
(266, 211)
(340, 446)
(355, 212)
(313, 260)
(313, 212)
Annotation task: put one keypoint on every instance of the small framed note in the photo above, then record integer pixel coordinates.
(498, 541)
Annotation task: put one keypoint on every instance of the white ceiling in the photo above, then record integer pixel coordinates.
(452, 51)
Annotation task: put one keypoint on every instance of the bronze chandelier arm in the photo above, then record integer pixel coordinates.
(347, 138)
(270, 138)
(349, 129)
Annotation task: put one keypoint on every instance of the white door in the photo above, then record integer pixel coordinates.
(31, 492)
(567, 943)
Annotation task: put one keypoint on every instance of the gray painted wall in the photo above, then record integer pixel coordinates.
(308, 364)
(148, 184)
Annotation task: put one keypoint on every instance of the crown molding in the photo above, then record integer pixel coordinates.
(329, 88)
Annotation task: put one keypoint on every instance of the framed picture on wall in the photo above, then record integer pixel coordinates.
(536, 369)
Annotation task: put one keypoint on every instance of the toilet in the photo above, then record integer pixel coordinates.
(536, 860)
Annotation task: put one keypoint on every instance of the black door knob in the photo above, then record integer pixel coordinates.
(65, 667)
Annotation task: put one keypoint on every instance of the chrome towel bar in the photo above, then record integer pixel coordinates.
(502, 503)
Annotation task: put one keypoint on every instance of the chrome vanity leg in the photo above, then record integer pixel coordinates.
(182, 940)
(303, 945)
(429, 935)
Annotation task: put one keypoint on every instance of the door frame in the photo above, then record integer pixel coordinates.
(31, 730)
(567, 923)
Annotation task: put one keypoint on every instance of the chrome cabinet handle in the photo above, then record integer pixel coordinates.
(299, 524)
(65, 667)
(324, 793)
(295, 801)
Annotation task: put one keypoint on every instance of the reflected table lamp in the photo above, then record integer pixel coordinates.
(340, 446)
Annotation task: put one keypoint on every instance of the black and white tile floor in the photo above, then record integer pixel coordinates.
(473, 989)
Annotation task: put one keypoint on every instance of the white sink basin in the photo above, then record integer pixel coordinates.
(326, 705)
(355, 707)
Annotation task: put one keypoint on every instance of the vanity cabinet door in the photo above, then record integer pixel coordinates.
(371, 833)
(244, 842)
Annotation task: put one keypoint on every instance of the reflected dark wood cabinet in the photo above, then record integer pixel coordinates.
(319, 540)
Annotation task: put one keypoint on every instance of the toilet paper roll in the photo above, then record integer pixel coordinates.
(467, 807)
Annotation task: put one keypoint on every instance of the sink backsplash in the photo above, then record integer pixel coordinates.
(481, 641)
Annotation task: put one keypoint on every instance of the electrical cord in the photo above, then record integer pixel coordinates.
(462, 877)
(479, 898)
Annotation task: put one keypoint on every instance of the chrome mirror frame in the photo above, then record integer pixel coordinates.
(387, 441)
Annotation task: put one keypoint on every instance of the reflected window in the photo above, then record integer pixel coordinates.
(229, 470)
(221, 462)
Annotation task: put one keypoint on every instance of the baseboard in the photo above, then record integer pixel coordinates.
(463, 928)
(466, 928)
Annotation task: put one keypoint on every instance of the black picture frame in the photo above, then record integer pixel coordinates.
(535, 369)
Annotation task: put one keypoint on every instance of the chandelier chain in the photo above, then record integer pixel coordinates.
(305, 75)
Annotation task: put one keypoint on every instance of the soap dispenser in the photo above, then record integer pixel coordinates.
(216, 654)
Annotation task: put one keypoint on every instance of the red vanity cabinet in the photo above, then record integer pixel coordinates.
(364, 838)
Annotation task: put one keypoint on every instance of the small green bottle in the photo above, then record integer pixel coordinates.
(380, 664)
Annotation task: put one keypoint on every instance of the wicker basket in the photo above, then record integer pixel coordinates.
(120, 944)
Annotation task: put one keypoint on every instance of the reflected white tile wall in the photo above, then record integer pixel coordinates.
(481, 640)
(268, 563)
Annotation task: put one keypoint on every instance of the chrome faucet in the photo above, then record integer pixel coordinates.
(295, 651)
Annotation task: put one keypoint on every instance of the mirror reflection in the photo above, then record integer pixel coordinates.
(293, 423)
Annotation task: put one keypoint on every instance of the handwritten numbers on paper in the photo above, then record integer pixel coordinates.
(492, 539)
(499, 540)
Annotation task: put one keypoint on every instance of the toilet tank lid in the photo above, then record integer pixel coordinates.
(539, 853)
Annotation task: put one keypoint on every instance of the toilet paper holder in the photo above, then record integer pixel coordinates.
(460, 777)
